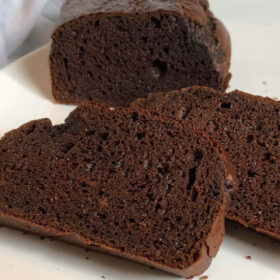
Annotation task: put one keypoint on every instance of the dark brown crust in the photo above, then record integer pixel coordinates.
(190, 8)
(231, 180)
(208, 251)
(239, 220)
(224, 40)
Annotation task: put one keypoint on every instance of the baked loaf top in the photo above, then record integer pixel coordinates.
(195, 9)
(126, 182)
(249, 129)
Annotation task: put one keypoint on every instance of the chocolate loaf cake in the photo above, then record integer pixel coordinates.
(115, 51)
(98, 181)
(249, 128)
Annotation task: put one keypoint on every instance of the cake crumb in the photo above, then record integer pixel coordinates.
(249, 258)
(203, 277)
(42, 237)
(254, 244)
(103, 277)
(87, 250)
(87, 258)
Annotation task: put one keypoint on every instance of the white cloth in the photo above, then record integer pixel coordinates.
(20, 17)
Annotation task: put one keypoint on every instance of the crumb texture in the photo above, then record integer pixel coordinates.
(139, 184)
(122, 52)
(249, 128)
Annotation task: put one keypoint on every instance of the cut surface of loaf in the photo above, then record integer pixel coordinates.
(121, 181)
(118, 50)
(249, 129)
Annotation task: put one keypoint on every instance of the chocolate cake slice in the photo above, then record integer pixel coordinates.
(249, 128)
(115, 51)
(122, 181)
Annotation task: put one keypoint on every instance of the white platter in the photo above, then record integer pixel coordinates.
(25, 95)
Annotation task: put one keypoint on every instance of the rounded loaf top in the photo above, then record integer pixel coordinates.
(194, 9)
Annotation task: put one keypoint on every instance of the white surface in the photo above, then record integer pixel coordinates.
(265, 12)
(25, 95)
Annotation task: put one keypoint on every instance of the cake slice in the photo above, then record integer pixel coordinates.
(122, 181)
(249, 129)
(115, 51)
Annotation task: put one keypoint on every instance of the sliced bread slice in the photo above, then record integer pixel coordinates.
(248, 127)
(124, 181)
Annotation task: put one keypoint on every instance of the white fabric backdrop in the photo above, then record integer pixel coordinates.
(20, 17)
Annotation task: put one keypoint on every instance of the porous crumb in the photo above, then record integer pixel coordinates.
(72, 74)
(249, 258)
(105, 132)
(228, 118)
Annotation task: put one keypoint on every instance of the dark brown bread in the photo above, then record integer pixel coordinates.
(121, 181)
(194, 104)
(249, 128)
(118, 50)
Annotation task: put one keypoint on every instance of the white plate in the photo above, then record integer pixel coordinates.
(25, 95)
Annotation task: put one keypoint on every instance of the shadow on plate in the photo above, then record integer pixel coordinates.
(74, 259)
(246, 242)
(32, 71)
